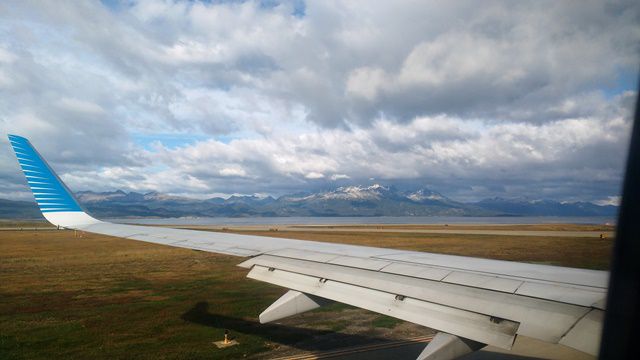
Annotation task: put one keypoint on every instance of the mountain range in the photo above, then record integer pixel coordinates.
(374, 200)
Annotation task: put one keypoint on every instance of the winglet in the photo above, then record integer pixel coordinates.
(56, 201)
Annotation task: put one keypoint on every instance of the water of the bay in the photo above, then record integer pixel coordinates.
(387, 220)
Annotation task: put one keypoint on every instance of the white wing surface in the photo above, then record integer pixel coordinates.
(471, 301)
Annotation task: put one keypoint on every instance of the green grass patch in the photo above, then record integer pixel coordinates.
(384, 321)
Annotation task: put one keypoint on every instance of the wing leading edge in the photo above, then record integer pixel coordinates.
(477, 301)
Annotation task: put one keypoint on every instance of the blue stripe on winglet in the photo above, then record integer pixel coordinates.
(49, 191)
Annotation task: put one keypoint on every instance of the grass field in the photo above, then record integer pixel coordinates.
(542, 227)
(101, 297)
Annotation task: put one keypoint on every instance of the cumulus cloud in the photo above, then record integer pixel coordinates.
(335, 177)
(508, 98)
(610, 200)
(314, 175)
(507, 159)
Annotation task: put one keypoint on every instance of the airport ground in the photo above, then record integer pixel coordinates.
(78, 295)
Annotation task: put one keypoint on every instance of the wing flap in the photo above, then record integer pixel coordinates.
(539, 318)
(360, 263)
(581, 335)
(478, 327)
(483, 281)
(418, 271)
(578, 296)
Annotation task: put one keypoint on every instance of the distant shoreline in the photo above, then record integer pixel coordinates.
(355, 220)
(372, 220)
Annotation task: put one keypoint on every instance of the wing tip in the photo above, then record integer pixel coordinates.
(55, 200)
(16, 137)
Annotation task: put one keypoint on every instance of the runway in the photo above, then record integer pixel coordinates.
(401, 349)
(524, 348)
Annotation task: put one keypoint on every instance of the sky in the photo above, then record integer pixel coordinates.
(504, 99)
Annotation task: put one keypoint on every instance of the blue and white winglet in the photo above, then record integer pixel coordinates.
(56, 201)
(470, 301)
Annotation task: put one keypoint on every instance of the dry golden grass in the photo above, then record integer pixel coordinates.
(518, 227)
(102, 297)
(592, 253)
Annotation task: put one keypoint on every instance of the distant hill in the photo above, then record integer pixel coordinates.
(545, 207)
(10, 209)
(374, 200)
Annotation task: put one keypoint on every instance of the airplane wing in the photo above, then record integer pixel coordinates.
(472, 302)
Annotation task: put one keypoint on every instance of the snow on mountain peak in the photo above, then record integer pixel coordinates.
(425, 194)
(356, 192)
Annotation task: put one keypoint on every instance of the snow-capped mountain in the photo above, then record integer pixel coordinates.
(357, 200)
(426, 195)
(373, 192)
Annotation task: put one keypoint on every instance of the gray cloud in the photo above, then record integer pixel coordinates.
(514, 62)
(507, 98)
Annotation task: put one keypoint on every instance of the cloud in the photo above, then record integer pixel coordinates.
(314, 175)
(233, 171)
(509, 98)
(336, 177)
(610, 200)
(503, 67)
(567, 159)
